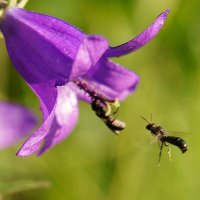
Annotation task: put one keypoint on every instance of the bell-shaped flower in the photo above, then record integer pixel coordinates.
(62, 64)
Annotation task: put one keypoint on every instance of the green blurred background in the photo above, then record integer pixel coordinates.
(93, 163)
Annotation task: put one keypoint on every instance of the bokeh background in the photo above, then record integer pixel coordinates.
(93, 163)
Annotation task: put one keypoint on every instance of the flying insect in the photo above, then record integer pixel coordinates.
(161, 136)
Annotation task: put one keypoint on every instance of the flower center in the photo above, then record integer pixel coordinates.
(103, 106)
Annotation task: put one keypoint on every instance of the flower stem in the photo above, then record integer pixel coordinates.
(12, 3)
(22, 3)
(3, 5)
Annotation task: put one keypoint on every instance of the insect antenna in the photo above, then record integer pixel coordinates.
(145, 119)
(151, 117)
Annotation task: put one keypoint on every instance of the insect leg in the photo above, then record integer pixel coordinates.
(108, 107)
(116, 104)
(168, 150)
(160, 153)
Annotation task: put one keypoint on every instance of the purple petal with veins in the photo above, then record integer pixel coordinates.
(139, 41)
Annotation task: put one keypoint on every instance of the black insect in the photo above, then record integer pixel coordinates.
(161, 135)
(104, 112)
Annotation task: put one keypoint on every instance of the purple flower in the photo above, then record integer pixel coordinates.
(62, 64)
(15, 123)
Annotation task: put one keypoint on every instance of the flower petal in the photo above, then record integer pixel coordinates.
(47, 94)
(44, 48)
(140, 40)
(60, 112)
(41, 47)
(15, 123)
(89, 53)
(111, 79)
(66, 116)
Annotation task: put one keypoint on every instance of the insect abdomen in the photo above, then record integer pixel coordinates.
(177, 141)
